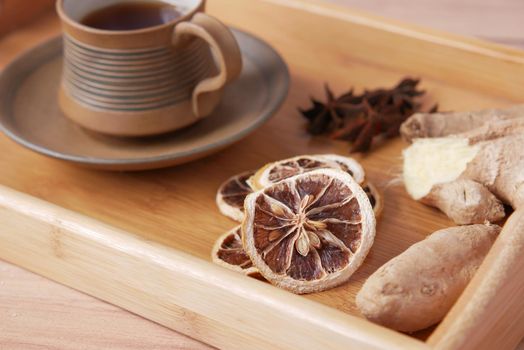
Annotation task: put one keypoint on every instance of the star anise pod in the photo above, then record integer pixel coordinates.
(330, 115)
(360, 118)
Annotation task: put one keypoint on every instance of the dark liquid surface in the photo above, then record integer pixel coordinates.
(131, 15)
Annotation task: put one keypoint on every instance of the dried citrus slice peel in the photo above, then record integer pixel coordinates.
(347, 164)
(229, 253)
(309, 232)
(375, 198)
(274, 172)
(231, 194)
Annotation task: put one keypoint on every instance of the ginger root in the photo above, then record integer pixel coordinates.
(423, 125)
(469, 174)
(465, 202)
(417, 288)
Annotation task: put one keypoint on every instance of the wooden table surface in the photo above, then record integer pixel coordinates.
(36, 313)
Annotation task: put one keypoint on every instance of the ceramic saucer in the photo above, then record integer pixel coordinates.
(29, 113)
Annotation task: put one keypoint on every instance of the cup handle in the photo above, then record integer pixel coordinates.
(206, 94)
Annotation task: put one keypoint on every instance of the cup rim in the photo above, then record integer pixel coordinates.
(65, 17)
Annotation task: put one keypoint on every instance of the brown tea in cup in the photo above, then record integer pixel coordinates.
(131, 15)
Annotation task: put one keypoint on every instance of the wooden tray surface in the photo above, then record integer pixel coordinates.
(173, 210)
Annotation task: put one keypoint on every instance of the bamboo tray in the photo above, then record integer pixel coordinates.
(142, 240)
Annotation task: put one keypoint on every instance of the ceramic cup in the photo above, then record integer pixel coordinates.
(145, 81)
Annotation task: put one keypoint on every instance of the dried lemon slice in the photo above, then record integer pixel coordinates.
(309, 232)
(231, 194)
(274, 172)
(229, 253)
(375, 198)
(347, 164)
